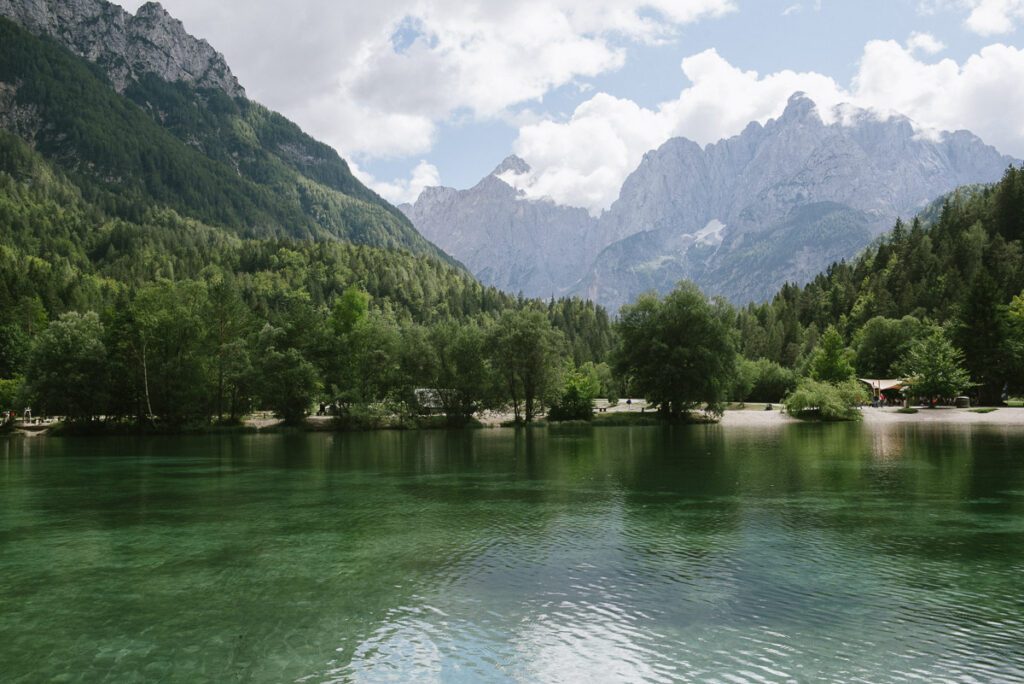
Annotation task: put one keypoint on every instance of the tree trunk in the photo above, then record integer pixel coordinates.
(145, 383)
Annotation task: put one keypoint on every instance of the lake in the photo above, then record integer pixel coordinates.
(800, 553)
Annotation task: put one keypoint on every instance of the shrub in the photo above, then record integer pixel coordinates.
(771, 383)
(577, 400)
(826, 401)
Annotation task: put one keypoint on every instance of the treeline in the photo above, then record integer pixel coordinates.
(171, 321)
(175, 353)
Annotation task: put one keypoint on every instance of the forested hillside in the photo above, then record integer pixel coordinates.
(172, 253)
(958, 266)
(166, 316)
(225, 161)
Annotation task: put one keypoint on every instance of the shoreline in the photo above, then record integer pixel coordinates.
(943, 415)
(753, 416)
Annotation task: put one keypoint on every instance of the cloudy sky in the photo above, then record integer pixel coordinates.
(428, 92)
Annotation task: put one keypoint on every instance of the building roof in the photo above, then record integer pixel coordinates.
(882, 385)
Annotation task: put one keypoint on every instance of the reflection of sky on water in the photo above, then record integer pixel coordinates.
(793, 579)
(843, 553)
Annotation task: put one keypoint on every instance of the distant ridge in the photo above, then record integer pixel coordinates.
(776, 203)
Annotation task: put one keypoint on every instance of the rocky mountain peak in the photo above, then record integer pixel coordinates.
(152, 9)
(512, 163)
(777, 203)
(800, 107)
(126, 46)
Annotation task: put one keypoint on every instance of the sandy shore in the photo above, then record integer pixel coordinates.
(944, 416)
(752, 416)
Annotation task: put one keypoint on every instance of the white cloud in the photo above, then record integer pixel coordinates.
(584, 160)
(924, 42)
(981, 95)
(400, 190)
(990, 17)
(792, 9)
(375, 79)
(984, 17)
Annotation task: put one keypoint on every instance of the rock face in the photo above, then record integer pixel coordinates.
(794, 196)
(126, 46)
(518, 245)
(777, 203)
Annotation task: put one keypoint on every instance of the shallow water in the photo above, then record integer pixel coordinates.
(803, 553)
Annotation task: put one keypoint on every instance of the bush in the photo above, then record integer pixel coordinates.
(577, 400)
(826, 401)
(11, 398)
(771, 383)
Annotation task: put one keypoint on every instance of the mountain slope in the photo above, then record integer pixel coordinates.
(507, 242)
(958, 264)
(793, 196)
(124, 46)
(131, 139)
(777, 203)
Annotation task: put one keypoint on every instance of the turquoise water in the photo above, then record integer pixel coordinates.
(804, 553)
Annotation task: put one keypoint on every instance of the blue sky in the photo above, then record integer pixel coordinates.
(758, 37)
(417, 92)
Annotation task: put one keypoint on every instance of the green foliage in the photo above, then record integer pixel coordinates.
(881, 342)
(349, 310)
(982, 332)
(11, 395)
(287, 382)
(958, 265)
(678, 351)
(374, 362)
(67, 371)
(14, 346)
(825, 400)
(763, 381)
(743, 381)
(831, 359)
(225, 162)
(933, 368)
(773, 382)
(526, 352)
(602, 376)
(465, 382)
(166, 339)
(577, 399)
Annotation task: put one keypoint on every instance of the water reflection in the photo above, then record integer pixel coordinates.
(841, 553)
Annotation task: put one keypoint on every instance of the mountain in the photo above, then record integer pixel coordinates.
(141, 115)
(774, 204)
(137, 178)
(784, 201)
(506, 241)
(126, 47)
